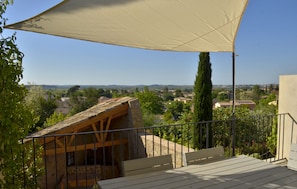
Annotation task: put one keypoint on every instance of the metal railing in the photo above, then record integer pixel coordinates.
(79, 160)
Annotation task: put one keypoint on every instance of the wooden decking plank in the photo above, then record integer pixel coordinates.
(218, 175)
(281, 177)
(138, 179)
(262, 178)
(229, 181)
(244, 177)
(201, 170)
(292, 161)
(240, 172)
(200, 176)
(209, 181)
(225, 169)
(292, 185)
(281, 182)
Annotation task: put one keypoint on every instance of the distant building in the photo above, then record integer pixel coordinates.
(273, 103)
(63, 105)
(182, 99)
(102, 99)
(65, 99)
(249, 103)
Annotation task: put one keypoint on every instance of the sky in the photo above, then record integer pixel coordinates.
(266, 47)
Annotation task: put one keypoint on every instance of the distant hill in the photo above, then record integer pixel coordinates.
(152, 87)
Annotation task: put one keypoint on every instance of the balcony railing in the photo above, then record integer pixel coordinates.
(79, 160)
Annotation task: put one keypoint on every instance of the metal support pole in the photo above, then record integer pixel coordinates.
(233, 104)
(233, 83)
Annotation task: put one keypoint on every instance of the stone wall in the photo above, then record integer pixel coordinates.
(155, 146)
(135, 114)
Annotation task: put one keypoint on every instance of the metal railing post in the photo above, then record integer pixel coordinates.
(252, 137)
(233, 134)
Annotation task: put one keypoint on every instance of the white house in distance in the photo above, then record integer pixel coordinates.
(249, 103)
(183, 99)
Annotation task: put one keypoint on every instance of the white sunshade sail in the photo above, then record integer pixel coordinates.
(171, 25)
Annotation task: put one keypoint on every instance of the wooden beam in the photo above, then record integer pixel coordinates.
(107, 127)
(59, 143)
(86, 146)
(96, 133)
(116, 112)
(101, 129)
(71, 140)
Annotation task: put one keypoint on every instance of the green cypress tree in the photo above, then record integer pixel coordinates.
(202, 102)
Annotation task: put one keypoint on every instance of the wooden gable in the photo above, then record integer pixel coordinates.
(60, 138)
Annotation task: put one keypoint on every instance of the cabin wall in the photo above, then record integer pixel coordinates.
(104, 161)
(135, 114)
(55, 166)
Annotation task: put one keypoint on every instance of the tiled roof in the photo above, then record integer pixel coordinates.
(84, 115)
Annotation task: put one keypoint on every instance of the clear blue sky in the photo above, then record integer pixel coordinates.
(266, 45)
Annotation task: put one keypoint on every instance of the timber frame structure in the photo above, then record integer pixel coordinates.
(80, 146)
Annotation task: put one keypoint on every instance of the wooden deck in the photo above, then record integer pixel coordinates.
(239, 172)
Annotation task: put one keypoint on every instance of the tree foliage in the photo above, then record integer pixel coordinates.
(81, 100)
(256, 131)
(256, 93)
(54, 118)
(42, 103)
(150, 102)
(72, 90)
(175, 110)
(178, 93)
(15, 118)
(151, 105)
(202, 96)
(77, 102)
(167, 95)
(268, 104)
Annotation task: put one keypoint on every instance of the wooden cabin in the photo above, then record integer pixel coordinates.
(75, 153)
